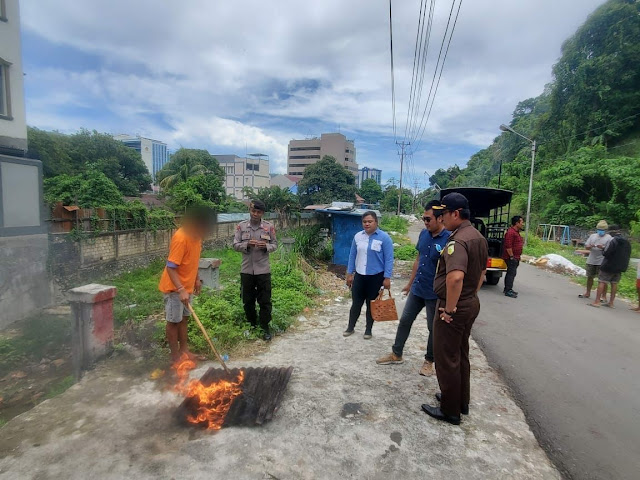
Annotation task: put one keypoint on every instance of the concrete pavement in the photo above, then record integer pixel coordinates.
(575, 371)
(342, 416)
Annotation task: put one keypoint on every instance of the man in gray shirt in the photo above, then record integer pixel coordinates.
(256, 239)
(596, 243)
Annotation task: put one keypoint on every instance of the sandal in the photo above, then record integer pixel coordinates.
(584, 296)
(593, 305)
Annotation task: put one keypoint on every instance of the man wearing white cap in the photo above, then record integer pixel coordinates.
(596, 243)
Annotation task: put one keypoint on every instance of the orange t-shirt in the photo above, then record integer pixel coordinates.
(184, 252)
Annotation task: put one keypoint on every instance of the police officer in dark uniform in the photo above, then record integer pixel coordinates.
(459, 276)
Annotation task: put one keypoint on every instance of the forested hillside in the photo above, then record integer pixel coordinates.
(587, 126)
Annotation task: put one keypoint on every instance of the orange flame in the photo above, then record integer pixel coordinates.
(214, 401)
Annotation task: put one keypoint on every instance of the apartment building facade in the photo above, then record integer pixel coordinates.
(365, 173)
(303, 153)
(154, 153)
(243, 172)
(24, 246)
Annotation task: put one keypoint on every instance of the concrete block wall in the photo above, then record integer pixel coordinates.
(25, 285)
(98, 249)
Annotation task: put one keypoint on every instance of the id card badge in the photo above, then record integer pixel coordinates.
(265, 236)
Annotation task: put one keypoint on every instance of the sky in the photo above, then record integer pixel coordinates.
(248, 76)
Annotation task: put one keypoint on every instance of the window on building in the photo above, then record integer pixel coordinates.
(3, 11)
(5, 98)
(255, 167)
(301, 149)
(300, 157)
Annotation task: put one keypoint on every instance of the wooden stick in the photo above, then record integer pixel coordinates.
(206, 336)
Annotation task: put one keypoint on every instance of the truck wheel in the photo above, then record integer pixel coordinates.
(493, 278)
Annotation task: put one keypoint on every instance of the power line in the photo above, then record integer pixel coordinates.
(426, 42)
(416, 55)
(393, 88)
(421, 129)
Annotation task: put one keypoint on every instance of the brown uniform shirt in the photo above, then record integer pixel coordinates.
(466, 251)
(255, 261)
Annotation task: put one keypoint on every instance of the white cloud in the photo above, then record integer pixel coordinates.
(253, 72)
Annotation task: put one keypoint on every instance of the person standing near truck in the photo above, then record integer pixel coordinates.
(512, 250)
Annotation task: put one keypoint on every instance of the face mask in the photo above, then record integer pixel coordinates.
(601, 233)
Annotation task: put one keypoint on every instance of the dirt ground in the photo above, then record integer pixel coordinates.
(342, 416)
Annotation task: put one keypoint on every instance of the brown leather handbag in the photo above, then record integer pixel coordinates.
(384, 310)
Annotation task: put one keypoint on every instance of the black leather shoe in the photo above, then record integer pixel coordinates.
(436, 413)
(464, 409)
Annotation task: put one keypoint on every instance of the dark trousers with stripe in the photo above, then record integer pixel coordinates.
(364, 289)
(451, 352)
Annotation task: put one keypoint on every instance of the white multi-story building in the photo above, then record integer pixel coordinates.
(303, 153)
(154, 153)
(13, 121)
(243, 172)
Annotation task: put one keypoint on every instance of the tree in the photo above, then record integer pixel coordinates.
(371, 191)
(73, 154)
(91, 190)
(187, 163)
(276, 199)
(389, 201)
(326, 181)
(198, 191)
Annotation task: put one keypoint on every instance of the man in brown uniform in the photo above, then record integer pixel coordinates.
(459, 276)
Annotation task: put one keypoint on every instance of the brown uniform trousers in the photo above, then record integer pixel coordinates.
(467, 252)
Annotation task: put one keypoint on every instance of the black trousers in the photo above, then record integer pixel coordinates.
(364, 289)
(512, 268)
(257, 287)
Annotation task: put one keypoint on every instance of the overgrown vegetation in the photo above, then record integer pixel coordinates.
(220, 311)
(405, 252)
(586, 125)
(394, 223)
(60, 387)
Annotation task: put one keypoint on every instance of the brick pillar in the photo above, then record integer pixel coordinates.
(92, 336)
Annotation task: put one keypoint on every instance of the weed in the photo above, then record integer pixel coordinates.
(60, 387)
(3, 422)
(393, 223)
(405, 252)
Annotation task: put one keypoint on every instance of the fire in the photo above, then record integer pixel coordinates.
(214, 401)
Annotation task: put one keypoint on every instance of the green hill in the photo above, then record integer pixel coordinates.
(587, 126)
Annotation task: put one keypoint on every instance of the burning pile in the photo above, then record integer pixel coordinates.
(220, 399)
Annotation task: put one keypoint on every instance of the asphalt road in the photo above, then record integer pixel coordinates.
(574, 370)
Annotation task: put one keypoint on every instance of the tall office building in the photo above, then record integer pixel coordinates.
(154, 153)
(303, 153)
(244, 172)
(365, 172)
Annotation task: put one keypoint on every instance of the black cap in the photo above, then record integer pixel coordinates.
(453, 201)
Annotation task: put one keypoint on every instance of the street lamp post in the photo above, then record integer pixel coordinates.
(505, 128)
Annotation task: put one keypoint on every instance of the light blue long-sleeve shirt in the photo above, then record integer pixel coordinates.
(371, 254)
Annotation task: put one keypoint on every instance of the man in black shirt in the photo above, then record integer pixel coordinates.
(616, 260)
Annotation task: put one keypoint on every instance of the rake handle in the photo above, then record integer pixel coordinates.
(206, 336)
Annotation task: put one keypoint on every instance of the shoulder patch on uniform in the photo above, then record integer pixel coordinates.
(451, 248)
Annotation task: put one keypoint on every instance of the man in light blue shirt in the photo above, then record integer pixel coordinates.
(369, 269)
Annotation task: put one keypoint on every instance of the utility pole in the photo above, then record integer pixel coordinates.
(403, 145)
(415, 194)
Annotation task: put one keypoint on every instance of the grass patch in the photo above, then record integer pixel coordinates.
(60, 387)
(140, 288)
(3, 422)
(220, 311)
(39, 336)
(393, 223)
(537, 248)
(405, 252)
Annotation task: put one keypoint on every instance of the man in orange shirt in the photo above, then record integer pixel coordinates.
(180, 278)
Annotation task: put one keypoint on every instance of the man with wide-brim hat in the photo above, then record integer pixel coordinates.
(459, 276)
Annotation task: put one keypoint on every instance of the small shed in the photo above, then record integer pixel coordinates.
(344, 225)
